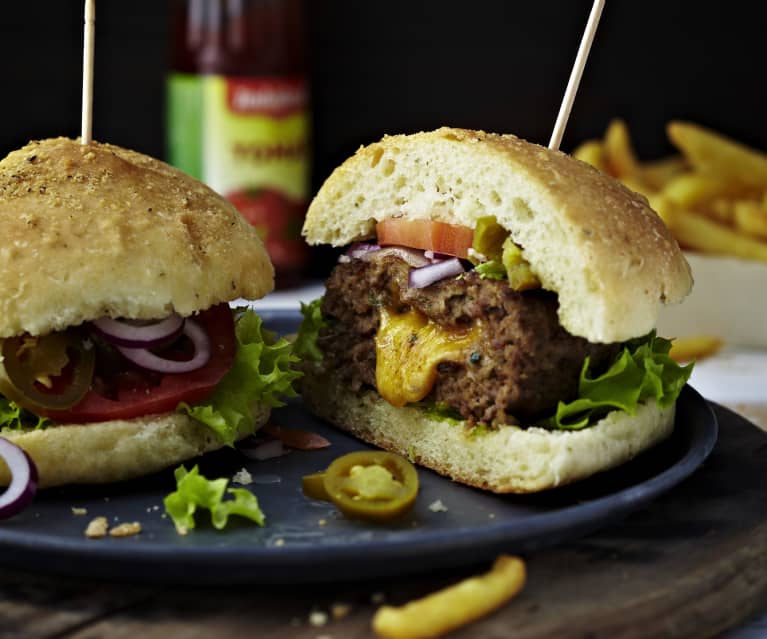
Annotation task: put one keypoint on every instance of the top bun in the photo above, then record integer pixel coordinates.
(94, 230)
(598, 245)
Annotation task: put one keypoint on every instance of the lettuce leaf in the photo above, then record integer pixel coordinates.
(14, 417)
(305, 345)
(439, 410)
(491, 270)
(262, 373)
(642, 371)
(194, 491)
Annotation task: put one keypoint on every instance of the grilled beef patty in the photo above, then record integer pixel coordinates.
(522, 365)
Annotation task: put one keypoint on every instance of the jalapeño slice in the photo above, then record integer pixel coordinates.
(51, 372)
(370, 485)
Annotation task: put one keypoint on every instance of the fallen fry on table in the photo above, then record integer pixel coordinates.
(694, 348)
(454, 606)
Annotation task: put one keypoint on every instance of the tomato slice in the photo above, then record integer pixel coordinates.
(138, 399)
(429, 235)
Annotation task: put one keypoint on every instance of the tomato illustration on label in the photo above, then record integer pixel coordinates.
(278, 220)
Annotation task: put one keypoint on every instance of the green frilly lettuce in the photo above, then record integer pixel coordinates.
(262, 373)
(491, 270)
(194, 491)
(642, 371)
(14, 417)
(305, 344)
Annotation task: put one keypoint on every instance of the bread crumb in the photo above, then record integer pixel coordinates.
(243, 477)
(97, 528)
(323, 522)
(318, 618)
(339, 610)
(279, 541)
(491, 516)
(437, 506)
(126, 529)
(79, 511)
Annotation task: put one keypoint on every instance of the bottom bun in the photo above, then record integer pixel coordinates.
(507, 460)
(105, 452)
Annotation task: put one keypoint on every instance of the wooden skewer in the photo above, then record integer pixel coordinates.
(89, 30)
(576, 73)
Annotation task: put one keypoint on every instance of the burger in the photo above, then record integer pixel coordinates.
(119, 352)
(493, 317)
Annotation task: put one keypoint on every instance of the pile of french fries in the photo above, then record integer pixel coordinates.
(712, 195)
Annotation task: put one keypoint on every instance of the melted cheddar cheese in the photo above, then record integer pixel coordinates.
(408, 348)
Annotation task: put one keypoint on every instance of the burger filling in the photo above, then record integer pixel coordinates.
(455, 320)
(492, 354)
(216, 366)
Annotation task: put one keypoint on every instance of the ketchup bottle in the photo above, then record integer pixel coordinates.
(238, 114)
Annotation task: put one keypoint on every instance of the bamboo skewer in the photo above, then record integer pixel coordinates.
(576, 73)
(89, 30)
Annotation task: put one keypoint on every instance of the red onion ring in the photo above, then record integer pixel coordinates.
(23, 485)
(147, 359)
(426, 275)
(123, 333)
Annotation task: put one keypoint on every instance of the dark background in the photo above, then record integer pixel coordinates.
(404, 65)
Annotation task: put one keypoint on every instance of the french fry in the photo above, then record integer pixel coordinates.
(715, 154)
(698, 232)
(750, 217)
(664, 207)
(592, 152)
(621, 159)
(688, 349)
(455, 606)
(721, 209)
(692, 189)
(660, 172)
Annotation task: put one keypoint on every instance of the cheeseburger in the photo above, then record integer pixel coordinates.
(493, 318)
(119, 352)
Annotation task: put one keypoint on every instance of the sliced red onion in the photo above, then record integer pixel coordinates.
(362, 248)
(147, 359)
(23, 485)
(263, 449)
(426, 275)
(413, 257)
(436, 257)
(125, 333)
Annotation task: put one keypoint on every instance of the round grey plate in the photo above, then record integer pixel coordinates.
(308, 541)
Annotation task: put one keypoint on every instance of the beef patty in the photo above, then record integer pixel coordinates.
(521, 366)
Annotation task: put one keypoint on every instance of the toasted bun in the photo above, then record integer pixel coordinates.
(105, 452)
(507, 460)
(598, 245)
(94, 230)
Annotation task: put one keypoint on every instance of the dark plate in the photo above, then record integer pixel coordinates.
(307, 540)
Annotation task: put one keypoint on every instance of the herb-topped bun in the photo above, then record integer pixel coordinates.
(117, 271)
(489, 283)
(96, 230)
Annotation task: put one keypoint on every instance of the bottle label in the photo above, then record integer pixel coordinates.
(248, 139)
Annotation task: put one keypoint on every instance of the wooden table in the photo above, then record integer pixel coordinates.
(693, 576)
